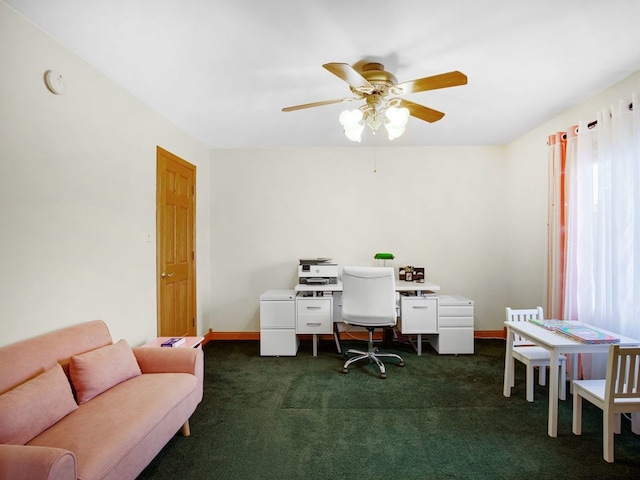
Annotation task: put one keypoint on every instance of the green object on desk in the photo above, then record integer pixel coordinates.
(384, 256)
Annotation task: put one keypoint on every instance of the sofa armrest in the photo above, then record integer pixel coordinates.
(25, 462)
(170, 360)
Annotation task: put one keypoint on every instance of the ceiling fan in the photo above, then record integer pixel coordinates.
(382, 94)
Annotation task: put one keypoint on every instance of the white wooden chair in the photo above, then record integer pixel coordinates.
(618, 393)
(533, 356)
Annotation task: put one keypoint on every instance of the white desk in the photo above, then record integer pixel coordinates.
(555, 343)
(324, 289)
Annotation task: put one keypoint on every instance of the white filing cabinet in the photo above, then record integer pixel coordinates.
(418, 316)
(278, 323)
(455, 325)
(314, 315)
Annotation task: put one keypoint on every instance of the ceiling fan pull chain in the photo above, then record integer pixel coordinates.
(375, 159)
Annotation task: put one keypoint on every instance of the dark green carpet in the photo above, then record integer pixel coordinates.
(440, 417)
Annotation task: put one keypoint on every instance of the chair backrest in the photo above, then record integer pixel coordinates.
(523, 315)
(623, 373)
(369, 296)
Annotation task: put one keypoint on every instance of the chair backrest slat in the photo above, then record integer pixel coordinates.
(623, 373)
(523, 315)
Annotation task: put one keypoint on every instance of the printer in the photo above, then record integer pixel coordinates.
(317, 271)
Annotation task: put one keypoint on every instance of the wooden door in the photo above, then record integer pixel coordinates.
(175, 256)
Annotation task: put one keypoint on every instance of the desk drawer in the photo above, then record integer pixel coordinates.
(456, 310)
(314, 315)
(454, 340)
(314, 306)
(418, 315)
(314, 324)
(455, 321)
(277, 314)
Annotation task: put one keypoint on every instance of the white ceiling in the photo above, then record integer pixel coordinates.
(223, 69)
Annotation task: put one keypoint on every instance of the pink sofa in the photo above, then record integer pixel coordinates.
(75, 405)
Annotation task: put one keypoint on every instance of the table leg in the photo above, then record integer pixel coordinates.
(573, 372)
(315, 345)
(635, 423)
(336, 337)
(553, 393)
(508, 365)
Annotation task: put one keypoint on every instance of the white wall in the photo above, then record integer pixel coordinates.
(442, 208)
(475, 217)
(77, 200)
(77, 194)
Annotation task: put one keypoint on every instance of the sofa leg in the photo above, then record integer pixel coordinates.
(186, 431)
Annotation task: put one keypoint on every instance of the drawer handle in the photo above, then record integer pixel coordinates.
(314, 307)
(420, 306)
(313, 324)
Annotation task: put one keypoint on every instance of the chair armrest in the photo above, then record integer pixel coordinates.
(26, 462)
(170, 360)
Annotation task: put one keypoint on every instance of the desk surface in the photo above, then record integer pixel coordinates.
(401, 286)
(551, 339)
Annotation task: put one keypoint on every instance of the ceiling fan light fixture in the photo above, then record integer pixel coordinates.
(372, 118)
(397, 116)
(396, 121)
(381, 93)
(394, 132)
(352, 123)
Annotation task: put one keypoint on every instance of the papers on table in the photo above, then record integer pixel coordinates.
(577, 331)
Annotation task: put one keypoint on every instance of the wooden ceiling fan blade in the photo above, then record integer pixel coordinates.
(317, 104)
(444, 80)
(347, 73)
(420, 111)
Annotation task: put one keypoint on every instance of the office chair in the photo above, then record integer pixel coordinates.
(369, 301)
(533, 356)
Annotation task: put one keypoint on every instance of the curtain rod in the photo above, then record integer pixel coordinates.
(595, 122)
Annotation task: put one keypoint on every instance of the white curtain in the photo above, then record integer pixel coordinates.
(602, 187)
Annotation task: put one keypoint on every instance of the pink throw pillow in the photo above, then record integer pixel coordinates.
(97, 371)
(30, 408)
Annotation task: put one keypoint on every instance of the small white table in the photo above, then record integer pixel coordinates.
(556, 344)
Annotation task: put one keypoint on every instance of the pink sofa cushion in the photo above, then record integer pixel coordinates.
(29, 409)
(97, 371)
(115, 435)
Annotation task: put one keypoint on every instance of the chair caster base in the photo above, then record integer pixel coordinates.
(383, 375)
(401, 364)
(345, 370)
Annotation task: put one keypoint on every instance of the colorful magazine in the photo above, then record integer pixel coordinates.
(586, 334)
(550, 324)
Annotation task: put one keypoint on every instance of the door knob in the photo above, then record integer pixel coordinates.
(165, 275)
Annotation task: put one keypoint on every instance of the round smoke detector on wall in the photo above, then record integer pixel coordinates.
(53, 80)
